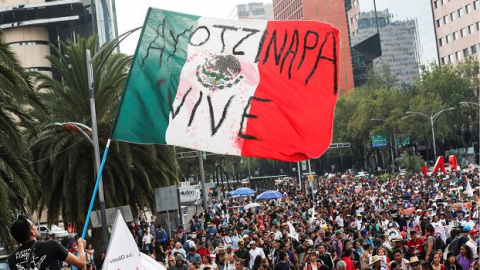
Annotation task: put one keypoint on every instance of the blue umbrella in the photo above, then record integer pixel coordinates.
(270, 195)
(243, 192)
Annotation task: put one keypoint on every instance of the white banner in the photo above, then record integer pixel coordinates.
(122, 253)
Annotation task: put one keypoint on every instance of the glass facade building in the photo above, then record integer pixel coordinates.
(400, 33)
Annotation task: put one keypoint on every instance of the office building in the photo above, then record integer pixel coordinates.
(330, 11)
(257, 11)
(30, 26)
(383, 41)
(398, 32)
(457, 27)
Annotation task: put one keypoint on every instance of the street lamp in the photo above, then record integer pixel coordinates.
(432, 119)
(391, 143)
(77, 126)
(468, 103)
(109, 48)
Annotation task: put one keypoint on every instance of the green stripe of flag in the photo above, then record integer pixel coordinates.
(157, 65)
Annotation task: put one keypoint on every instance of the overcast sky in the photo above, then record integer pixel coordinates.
(131, 13)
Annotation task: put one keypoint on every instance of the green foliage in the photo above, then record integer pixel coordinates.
(19, 185)
(65, 158)
(410, 163)
(434, 90)
(386, 176)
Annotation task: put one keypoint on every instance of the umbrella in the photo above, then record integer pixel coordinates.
(251, 205)
(270, 195)
(243, 192)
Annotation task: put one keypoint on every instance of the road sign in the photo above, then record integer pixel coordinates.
(379, 140)
(340, 145)
(402, 141)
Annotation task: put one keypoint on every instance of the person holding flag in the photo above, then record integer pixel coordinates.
(40, 255)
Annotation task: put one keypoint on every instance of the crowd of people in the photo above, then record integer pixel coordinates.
(373, 223)
(411, 222)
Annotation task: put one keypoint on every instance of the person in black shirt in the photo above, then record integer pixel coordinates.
(242, 253)
(45, 254)
(283, 262)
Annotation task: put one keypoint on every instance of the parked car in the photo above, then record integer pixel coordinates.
(54, 229)
(3, 259)
(362, 174)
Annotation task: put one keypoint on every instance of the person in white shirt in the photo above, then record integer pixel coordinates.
(472, 243)
(339, 220)
(277, 234)
(439, 228)
(254, 252)
(146, 241)
(468, 222)
(358, 221)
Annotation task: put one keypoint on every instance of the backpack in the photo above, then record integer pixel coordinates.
(439, 244)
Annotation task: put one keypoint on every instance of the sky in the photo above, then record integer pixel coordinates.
(131, 13)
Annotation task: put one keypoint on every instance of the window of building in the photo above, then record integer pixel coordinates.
(471, 29)
(450, 58)
(449, 38)
(443, 60)
(453, 16)
(444, 2)
(474, 49)
(440, 41)
(460, 12)
(465, 52)
(445, 19)
(456, 35)
(468, 8)
(476, 4)
(464, 32)
(458, 55)
(478, 26)
(439, 22)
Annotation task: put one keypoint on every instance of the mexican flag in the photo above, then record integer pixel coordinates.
(240, 87)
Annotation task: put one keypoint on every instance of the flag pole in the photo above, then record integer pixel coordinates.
(99, 177)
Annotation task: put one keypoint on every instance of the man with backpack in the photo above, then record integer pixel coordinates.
(161, 236)
(433, 243)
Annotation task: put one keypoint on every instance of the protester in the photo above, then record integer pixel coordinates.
(40, 254)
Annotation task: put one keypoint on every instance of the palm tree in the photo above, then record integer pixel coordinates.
(65, 157)
(19, 186)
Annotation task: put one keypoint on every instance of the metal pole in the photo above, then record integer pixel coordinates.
(248, 164)
(202, 179)
(101, 197)
(391, 151)
(311, 187)
(299, 176)
(433, 138)
(395, 141)
(180, 214)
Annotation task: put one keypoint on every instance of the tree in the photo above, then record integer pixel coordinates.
(437, 89)
(411, 163)
(19, 185)
(65, 157)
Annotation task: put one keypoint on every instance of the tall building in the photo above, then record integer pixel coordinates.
(254, 10)
(398, 32)
(389, 42)
(457, 27)
(330, 11)
(30, 26)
